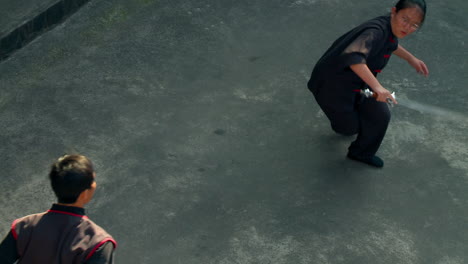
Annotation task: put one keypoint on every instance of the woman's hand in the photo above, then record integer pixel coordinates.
(419, 65)
(416, 63)
(382, 95)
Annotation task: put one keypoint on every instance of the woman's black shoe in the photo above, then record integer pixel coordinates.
(373, 161)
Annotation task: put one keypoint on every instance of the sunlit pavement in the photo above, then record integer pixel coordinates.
(210, 149)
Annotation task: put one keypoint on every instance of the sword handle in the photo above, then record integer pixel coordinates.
(368, 93)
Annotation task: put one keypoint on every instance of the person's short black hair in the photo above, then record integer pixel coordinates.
(69, 176)
(402, 4)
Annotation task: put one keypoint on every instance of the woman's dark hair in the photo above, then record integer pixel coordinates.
(69, 176)
(402, 4)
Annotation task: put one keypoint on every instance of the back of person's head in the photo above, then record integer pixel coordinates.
(402, 4)
(69, 176)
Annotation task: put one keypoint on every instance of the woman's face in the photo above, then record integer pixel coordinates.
(406, 21)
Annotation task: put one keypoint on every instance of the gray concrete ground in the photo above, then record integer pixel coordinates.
(210, 149)
(15, 13)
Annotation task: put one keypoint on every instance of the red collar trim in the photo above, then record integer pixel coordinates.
(67, 213)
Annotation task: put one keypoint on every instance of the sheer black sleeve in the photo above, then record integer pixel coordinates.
(358, 51)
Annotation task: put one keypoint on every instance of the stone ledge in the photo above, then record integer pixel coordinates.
(28, 31)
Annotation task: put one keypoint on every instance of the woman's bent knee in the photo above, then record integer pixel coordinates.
(347, 130)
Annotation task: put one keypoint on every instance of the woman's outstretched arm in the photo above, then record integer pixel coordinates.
(416, 63)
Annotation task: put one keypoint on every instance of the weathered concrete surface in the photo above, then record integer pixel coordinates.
(210, 149)
(14, 13)
(22, 21)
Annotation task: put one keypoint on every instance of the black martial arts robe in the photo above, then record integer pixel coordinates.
(335, 86)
